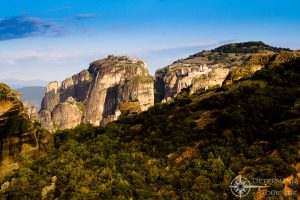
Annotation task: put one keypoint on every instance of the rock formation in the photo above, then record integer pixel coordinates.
(30, 110)
(211, 79)
(44, 117)
(66, 114)
(49, 188)
(223, 65)
(177, 76)
(95, 94)
(17, 133)
(4, 187)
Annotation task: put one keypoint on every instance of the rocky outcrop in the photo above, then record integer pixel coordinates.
(49, 188)
(200, 71)
(4, 187)
(18, 135)
(77, 86)
(30, 110)
(117, 80)
(96, 93)
(67, 114)
(211, 79)
(171, 80)
(44, 117)
(52, 98)
(109, 118)
(223, 65)
(178, 76)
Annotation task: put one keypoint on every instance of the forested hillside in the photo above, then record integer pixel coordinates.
(189, 148)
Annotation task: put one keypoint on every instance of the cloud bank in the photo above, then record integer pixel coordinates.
(24, 26)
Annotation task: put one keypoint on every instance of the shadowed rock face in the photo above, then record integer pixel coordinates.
(44, 116)
(17, 133)
(14, 120)
(97, 93)
(223, 65)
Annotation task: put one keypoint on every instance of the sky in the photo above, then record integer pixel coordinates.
(54, 39)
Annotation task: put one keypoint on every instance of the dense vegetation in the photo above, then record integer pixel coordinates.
(189, 148)
(248, 47)
(241, 49)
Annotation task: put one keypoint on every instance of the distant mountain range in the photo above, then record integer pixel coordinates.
(33, 94)
(32, 90)
(16, 83)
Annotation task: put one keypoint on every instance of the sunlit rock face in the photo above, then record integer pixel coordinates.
(213, 78)
(97, 92)
(67, 115)
(192, 74)
(30, 110)
(223, 65)
(178, 76)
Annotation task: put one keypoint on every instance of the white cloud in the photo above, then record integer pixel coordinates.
(43, 54)
(53, 63)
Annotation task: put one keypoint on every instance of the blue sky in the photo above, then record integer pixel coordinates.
(54, 39)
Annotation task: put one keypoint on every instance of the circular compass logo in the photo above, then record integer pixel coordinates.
(240, 186)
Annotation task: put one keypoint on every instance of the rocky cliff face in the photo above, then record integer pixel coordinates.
(94, 95)
(18, 135)
(215, 77)
(224, 64)
(66, 114)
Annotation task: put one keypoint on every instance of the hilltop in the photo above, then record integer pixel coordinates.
(239, 48)
(248, 47)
